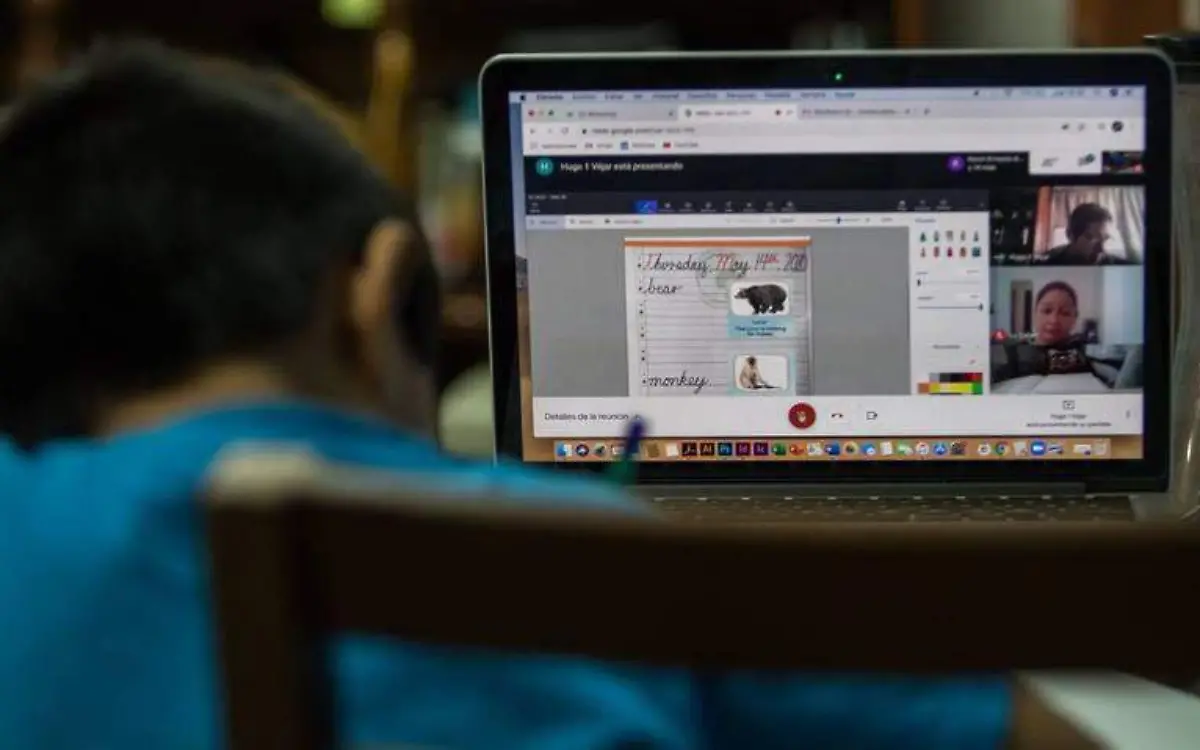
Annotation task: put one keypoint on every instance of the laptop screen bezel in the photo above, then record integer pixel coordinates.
(1136, 67)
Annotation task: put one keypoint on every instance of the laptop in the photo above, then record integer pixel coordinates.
(886, 286)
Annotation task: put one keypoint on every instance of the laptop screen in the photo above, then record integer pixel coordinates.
(817, 275)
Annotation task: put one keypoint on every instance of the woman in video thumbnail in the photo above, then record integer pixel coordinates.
(1055, 312)
(1055, 348)
(1087, 231)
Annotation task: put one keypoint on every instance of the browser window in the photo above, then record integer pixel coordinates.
(817, 274)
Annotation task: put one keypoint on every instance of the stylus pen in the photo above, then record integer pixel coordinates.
(624, 471)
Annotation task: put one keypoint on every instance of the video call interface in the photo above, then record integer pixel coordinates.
(829, 306)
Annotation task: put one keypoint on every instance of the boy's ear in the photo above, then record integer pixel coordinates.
(373, 290)
(403, 383)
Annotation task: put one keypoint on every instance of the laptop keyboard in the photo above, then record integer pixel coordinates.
(799, 508)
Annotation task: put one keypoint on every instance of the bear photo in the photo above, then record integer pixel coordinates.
(759, 299)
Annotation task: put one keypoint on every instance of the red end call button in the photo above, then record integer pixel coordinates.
(802, 416)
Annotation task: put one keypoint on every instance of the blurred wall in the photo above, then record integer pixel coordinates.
(1000, 23)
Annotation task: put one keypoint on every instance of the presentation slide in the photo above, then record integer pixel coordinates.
(719, 315)
(748, 315)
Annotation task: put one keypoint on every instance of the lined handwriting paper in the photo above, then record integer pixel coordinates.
(719, 316)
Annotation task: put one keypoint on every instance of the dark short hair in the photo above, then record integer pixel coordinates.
(1058, 286)
(1085, 215)
(156, 217)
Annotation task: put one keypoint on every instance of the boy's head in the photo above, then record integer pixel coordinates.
(164, 227)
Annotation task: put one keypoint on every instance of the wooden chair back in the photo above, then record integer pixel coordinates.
(301, 550)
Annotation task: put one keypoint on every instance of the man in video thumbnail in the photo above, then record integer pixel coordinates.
(1087, 231)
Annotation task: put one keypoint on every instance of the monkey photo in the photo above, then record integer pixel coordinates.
(764, 299)
(750, 378)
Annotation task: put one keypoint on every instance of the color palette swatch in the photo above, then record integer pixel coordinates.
(952, 384)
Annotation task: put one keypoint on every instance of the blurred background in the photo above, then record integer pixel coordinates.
(413, 95)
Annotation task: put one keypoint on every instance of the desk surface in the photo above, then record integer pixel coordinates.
(1121, 711)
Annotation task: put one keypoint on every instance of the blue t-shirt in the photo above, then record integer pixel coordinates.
(106, 637)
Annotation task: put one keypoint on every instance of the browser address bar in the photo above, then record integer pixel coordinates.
(951, 125)
(924, 126)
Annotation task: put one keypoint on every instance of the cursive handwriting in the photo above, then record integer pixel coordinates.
(795, 262)
(696, 383)
(732, 263)
(667, 264)
(658, 289)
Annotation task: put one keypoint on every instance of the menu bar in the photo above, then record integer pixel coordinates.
(849, 220)
(994, 93)
(755, 202)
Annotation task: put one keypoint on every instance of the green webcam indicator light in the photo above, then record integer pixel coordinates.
(839, 77)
